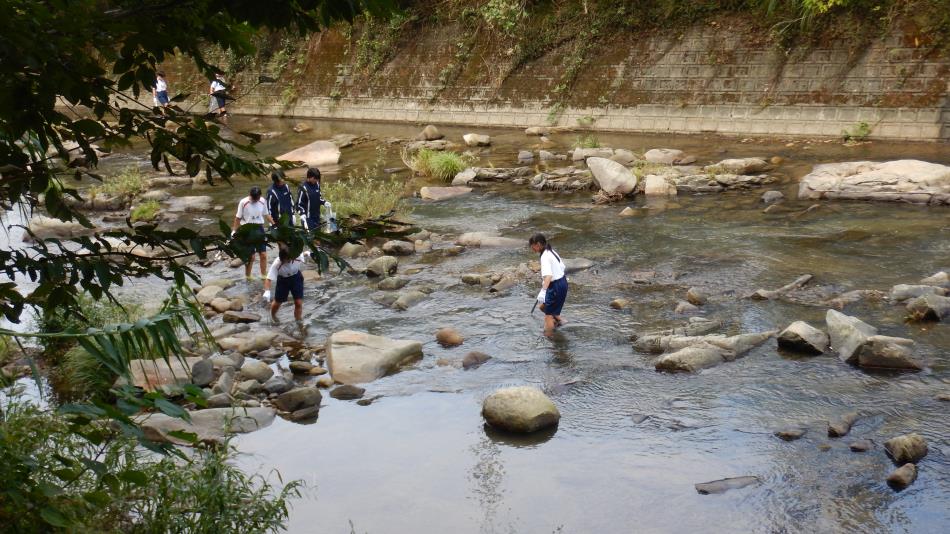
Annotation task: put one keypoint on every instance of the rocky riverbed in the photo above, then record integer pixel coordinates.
(404, 447)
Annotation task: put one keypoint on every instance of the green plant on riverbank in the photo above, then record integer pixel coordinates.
(146, 211)
(127, 184)
(440, 164)
(67, 473)
(586, 141)
(364, 195)
(857, 133)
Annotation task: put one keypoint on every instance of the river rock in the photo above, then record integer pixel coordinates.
(847, 334)
(611, 176)
(315, 154)
(485, 239)
(739, 166)
(474, 359)
(885, 352)
(382, 266)
(220, 304)
(247, 387)
(300, 368)
(929, 308)
(208, 294)
(393, 283)
(302, 127)
(191, 204)
(771, 197)
(695, 296)
(256, 370)
(690, 359)
(231, 316)
(473, 139)
(505, 283)
(47, 227)
(398, 248)
(298, 398)
(862, 445)
(521, 409)
(357, 357)
(790, 434)
(219, 400)
(352, 250)
(624, 157)
(152, 375)
(724, 485)
(581, 154)
(803, 337)
(318, 371)
(278, 384)
(225, 382)
(840, 427)
(408, 299)
(210, 425)
(902, 292)
(666, 156)
(909, 448)
(448, 337)
(384, 299)
(443, 193)
(544, 155)
(574, 265)
(657, 186)
(325, 381)
(347, 392)
(537, 130)
(463, 178)
(628, 212)
(202, 372)
(429, 133)
(619, 303)
(940, 279)
(902, 477)
(898, 181)
(685, 308)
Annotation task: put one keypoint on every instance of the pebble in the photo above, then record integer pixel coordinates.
(347, 392)
(863, 445)
(902, 477)
(790, 434)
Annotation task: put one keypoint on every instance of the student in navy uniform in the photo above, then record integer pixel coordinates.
(553, 283)
(280, 201)
(309, 199)
(252, 210)
(285, 274)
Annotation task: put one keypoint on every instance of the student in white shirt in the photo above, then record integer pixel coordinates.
(285, 273)
(553, 283)
(216, 91)
(160, 91)
(253, 210)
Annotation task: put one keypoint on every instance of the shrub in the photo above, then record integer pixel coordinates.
(442, 165)
(858, 133)
(586, 141)
(69, 474)
(146, 211)
(364, 195)
(127, 185)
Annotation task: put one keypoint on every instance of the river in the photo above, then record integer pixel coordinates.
(632, 442)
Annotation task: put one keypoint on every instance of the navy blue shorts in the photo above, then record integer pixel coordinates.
(292, 285)
(257, 234)
(313, 223)
(162, 97)
(555, 296)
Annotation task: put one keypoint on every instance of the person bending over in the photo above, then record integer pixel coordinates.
(553, 283)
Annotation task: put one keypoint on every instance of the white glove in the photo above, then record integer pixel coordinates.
(233, 233)
(307, 255)
(541, 296)
(267, 295)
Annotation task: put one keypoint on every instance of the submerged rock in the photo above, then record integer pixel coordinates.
(790, 434)
(521, 409)
(356, 357)
(474, 359)
(392, 283)
(724, 485)
(897, 181)
(695, 296)
(802, 337)
(209, 425)
(408, 299)
(574, 265)
(443, 193)
(902, 292)
(940, 279)
(902, 477)
(862, 445)
(929, 308)
(847, 334)
(909, 448)
(429, 133)
(485, 239)
(771, 197)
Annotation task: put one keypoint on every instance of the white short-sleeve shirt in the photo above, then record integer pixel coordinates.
(283, 270)
(216, 86)
(160, 85)
(251, 212)
(551, 266)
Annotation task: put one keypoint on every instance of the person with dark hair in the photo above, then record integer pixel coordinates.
(252, 210)
(288, 280)
(160, 91)
(217, 93)
(553, 283)
(280, 200)
(309, 199)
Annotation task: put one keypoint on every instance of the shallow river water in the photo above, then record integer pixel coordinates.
(632, 442)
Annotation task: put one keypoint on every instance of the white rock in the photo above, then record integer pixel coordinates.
(667, 156)
(803, 337)
(209, 425)
(654, 185)
(473, 139)
(847, 334)
(520, 409)
(315, 154)
(611, 176)
(356, 357)
(901, 181)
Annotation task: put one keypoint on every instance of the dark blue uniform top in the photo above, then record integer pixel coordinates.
(309, 201)
(280, 201)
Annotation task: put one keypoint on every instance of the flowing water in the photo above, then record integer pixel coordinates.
(632, 442)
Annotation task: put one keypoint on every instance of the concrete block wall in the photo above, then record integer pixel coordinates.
(710, 80)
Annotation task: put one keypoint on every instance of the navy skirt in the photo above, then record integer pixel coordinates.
(555, 296)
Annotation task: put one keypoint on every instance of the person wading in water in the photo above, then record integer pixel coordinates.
(253, 210)
(553, 283)
(285, 273)
(280, 201)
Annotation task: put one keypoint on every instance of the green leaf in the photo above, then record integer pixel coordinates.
(53, 517)
(133, 477)
(189, 437)
(170, 409)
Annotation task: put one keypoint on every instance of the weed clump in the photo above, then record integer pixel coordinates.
(441, 165)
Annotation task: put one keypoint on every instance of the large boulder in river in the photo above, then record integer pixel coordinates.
(356, 357)
(443, 193)
(611, 176)
(847, 334)
(658, 186)
(929, 308)
(315, 154)
(520, 409)
(667, 156)
(690, 359)
(382, 266)
(485, 239)
(211, 424)
(473, 139)
(803, 337)
(906, 180)
(885, 352)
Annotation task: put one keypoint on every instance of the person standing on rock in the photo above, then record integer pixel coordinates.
(309, 199)
(252, 210)
(218, 87)
(280, 201)
(553, 283)
(286, 276)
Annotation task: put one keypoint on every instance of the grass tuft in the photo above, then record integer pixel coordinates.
(146, 211)
(128, 184)
(441, 165)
